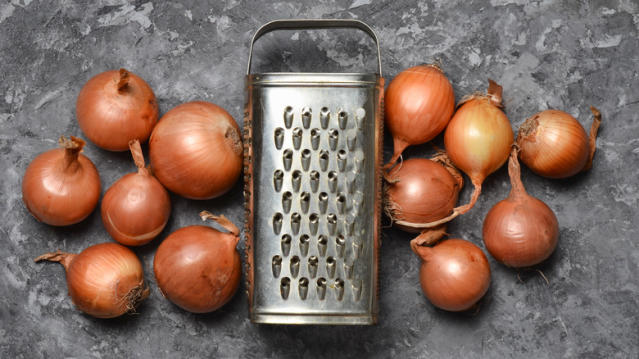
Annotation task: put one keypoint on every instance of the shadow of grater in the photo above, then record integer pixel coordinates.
(313, 152)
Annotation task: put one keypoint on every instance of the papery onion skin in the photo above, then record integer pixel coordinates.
(61, 186)
(554, 144)
(478, 138)
(418, 105)
(421, 191)
(115, 107)
(136, 207)
(197, 267)
(196, 150)
(520, 231)
(105, 280)
(454, 274)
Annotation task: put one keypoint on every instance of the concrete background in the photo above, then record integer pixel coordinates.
(546, 54)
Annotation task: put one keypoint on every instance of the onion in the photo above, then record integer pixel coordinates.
(455, 273)
(478, 139)
(418, 104)
(136, 208)
(61, 186)
(422, 191)
(520, 231)
(104, 280)
(115, 107)
(196, 150)
(198, 267)
(553, 144)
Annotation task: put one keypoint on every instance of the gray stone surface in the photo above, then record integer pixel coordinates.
(546, 54)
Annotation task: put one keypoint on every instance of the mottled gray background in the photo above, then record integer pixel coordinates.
(547, 54)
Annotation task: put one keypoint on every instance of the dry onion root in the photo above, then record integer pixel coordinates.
(115, 107)
(105, 280)
(478, 140)
(454, 274)
(554, 144)
(136, 208)
(520, 231)
(197, 267)
(421, 192)
(61, 186)
(418, 105)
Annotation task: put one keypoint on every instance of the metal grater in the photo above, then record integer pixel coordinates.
(313, 157)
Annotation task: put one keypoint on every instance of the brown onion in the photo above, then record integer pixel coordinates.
(454, 274)
(421, 192)
(115, 107)
(196, 150)
(478, 139)
(136, 208)
(520, 231)
(555, 145)
(198, 268)
(418, 104)
(61, 186)
(104, 280)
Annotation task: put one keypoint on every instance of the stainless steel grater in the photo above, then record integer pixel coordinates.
(312, 175)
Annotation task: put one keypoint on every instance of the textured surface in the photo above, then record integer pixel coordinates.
(546, 54)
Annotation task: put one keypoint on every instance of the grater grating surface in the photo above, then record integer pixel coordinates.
(312, 187)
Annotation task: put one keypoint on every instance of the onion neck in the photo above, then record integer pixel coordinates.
(58, 256)
(138, 157)
(424, 252)
(72, 148)
(224, 222)
(514, 171)
(399, 145)
(594, 129)
(494, 93)
(123, 81)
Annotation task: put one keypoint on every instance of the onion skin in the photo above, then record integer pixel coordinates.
(115, 107)
(454, 274)
(196, 150)
(136, 208)
(198, 268)
(554, 144)
(105, 280)
(422, 191)
(520, 231)
(418, 105)
(478, 139)
(61, 186)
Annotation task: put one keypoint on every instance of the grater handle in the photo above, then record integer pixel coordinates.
(299, 24)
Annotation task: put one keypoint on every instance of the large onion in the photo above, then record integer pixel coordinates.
(454, 274)
(197, 267)
(520, 231)
(61, 186)
(418, 105)
(115, 107)
(555, 145)
(136, 208)
(478, 139)
(104, 280)
(196, 150)
(421, 192)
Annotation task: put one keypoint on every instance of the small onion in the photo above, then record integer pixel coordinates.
(418, 104)
(454, 274)
(421, 192)
(136, 208)
(104, 280)
(555, 145)
(198, 268)
(196, 150)
(478, 139)
(520, 231)
(115, 107)
(61, 186)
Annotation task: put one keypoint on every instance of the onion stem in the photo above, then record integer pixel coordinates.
(594, 128)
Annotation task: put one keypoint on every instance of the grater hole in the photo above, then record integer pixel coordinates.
(341, 154)
(277, 265)
(333, 133)
(321, 288)
(304, 239)
(286, 244)
(296, 180)
(288, 154)
(297, 132)
(303, 288)
(339, 288)
(278, 176)
(331, 218)
(295, 266)
(279, 137)
(285, 287)
(277, 222)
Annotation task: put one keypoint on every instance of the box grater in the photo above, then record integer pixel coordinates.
(312, 176)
